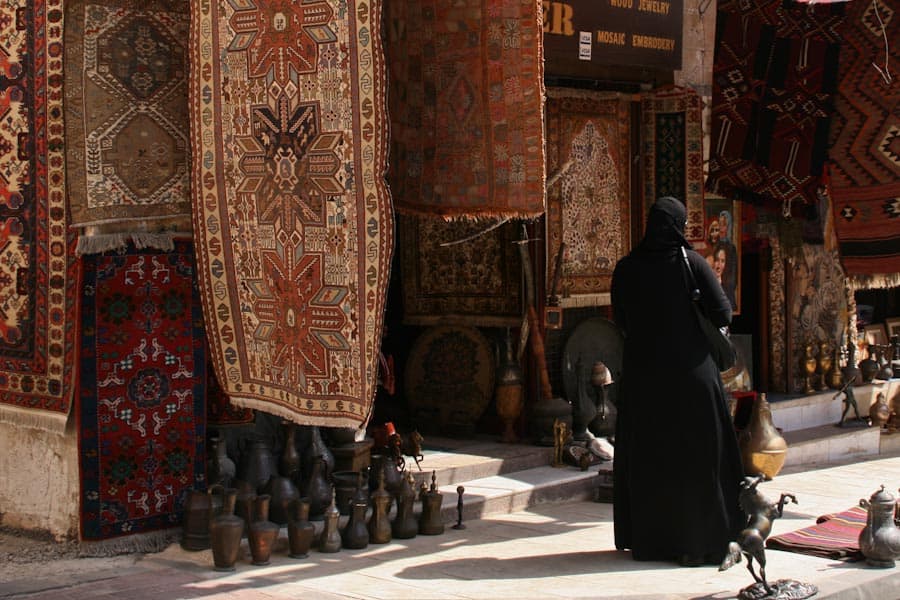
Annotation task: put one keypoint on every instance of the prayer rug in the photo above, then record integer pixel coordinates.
(865, 142)
(38, 276)
(142, 391)
(773, 83)
(588, 204)
(834, 536)
(476, 282)
(127, 132)
(292, 215)
(467, 136)
(673, 152)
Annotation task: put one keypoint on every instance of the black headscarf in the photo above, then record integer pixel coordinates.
(665, 227)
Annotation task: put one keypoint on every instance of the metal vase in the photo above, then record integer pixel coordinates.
(300, 531)
(262, 532)
(225, 532)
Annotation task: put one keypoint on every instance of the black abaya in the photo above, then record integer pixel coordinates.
(677, 469)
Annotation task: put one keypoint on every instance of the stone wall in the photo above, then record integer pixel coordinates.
(39, 471)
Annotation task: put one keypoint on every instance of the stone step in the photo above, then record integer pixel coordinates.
(826, 444)
(502, 478)
(793, 412)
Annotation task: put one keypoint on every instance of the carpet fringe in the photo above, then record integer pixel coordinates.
(291, 415)
(143, 543)
(34, 419)
(874, 281)
(106, 242)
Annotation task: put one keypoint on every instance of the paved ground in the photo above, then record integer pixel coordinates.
(550, 551)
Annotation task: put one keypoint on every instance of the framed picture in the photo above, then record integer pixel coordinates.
(893, 326)
(721, 244)
(876, 335)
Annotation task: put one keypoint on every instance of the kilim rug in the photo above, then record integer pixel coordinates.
(38, 276)
(865, 142)
(476, 282)
(292, 214)
(773, 83)
(142, 391)
(833, 536)
(672, 132)
(588, 204)
(127, 120)
(466, 107)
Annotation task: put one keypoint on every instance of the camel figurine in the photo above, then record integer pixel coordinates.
(751, 542)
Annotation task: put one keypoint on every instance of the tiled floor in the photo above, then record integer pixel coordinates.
(550, 551)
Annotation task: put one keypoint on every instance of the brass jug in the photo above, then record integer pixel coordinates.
(225, 532)
(300, 530)
(763, 449)
(355, 535)
(879, 541)
(508, 393)
(379, 526)
(262, 532)
(330, 539)
(404, 525)
(430, 521)
(197, 512)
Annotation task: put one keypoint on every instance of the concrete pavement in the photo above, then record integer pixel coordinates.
(562, 550)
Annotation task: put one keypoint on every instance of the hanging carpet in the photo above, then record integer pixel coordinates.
(774, 78)
(38, 277)
(142, 392)
(474, 282)
(833, 536)
(588, 207)
(673, 151)
(865, 145)
(292, 215)
(127, 133)
(466, 107)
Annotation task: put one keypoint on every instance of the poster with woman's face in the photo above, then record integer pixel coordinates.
(722, 245)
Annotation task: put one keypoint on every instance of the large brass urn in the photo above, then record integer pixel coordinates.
(763, 449)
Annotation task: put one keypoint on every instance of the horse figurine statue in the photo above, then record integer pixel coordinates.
(751, 541)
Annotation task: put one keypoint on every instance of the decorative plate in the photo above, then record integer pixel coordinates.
(449, 379)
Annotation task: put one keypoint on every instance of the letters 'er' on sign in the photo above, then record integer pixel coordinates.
(633, 33)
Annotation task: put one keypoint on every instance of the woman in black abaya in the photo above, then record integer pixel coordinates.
(677, 469)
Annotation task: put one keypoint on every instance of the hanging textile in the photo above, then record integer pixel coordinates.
(773, 83)
(38, 276)
(588, 206)
(127, 144)
(293, 221)
(673, 151)
(865, 146)
(466, 107)
(142, 396)
(476, 282)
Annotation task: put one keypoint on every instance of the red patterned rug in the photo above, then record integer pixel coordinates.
(476, 282)
(293, 220)
(38, 276)
(588, 207)
(466, 107)
(773, 83)
(833, 536)
(127, 134)
(142, 392)
(673, 151)
(865, 143)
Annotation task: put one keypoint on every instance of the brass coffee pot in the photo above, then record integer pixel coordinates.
(430, 521)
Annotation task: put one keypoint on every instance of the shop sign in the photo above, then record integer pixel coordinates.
(580, 35)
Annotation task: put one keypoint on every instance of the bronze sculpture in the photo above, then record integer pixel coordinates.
(751, 542)
(849, 402)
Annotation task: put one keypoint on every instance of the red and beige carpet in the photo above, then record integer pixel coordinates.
(38, 274)
(293, 219)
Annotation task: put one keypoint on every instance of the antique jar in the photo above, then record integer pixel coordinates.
(879, 540)
(763, 449)
(225, 532)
